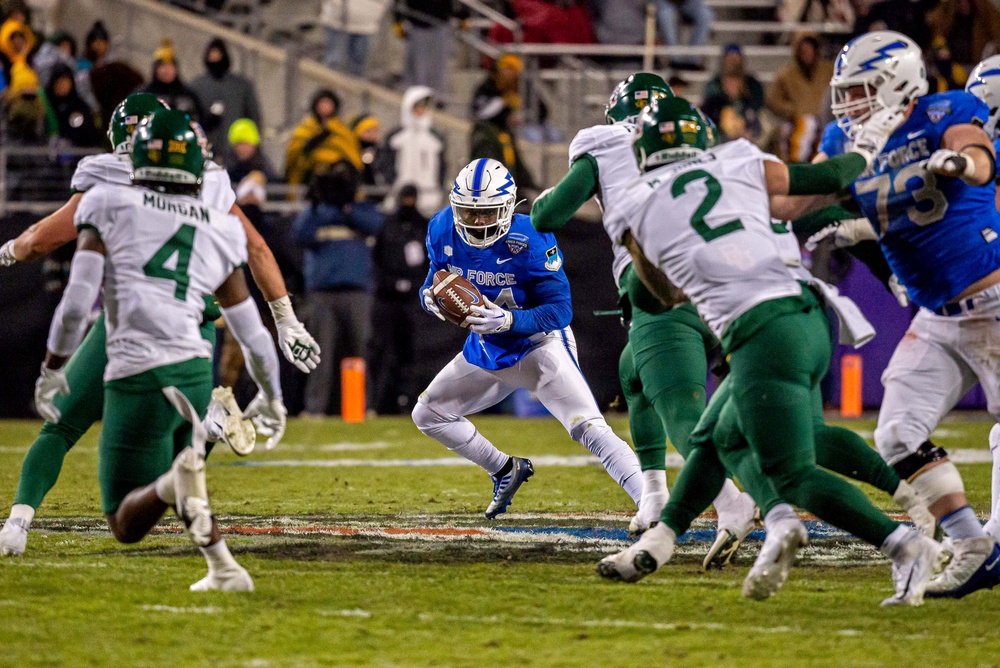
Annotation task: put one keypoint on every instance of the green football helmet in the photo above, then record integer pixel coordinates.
(714, 138)
(669, 130)
(631, 96)
(166, 154)
(127, 116)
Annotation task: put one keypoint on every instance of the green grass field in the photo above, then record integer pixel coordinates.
(361, 557)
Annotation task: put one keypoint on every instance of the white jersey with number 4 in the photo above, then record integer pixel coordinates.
(611, 147)
(706, 223)
(165, 253)
(116, 170)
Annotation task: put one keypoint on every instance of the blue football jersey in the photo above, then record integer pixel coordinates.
(522, 272)
(939, 234)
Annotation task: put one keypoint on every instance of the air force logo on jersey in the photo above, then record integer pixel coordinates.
(516, 242)
(938, 110)
(553, 260)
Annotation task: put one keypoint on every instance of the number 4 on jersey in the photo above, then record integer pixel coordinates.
(179, 245)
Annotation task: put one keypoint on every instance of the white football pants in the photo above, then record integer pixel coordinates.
(938, 360)
(551, 372)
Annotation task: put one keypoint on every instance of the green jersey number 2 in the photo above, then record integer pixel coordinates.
(178, 246)
(707, 233)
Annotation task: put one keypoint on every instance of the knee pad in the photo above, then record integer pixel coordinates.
(995, 437)
(587, 430)
(911, 465)
(938, 482)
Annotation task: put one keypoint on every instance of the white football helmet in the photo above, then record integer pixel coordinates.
(984, 83)
(889, 68)
(482, 201)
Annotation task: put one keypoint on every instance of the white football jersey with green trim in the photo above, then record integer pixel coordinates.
(111, 169)
(706, 223)
(611, 147)
(165, 254)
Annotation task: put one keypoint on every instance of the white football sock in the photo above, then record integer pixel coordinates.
(654, 481)
(23, 512)
(461, 437)
(780, 513)
(993, 526)
(165, 488)
(218, 556)
(618, 458)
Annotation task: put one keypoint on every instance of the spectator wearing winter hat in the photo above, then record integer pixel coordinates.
(224, 96)
(23, 106)
(369, 133)
(96, 45)
(414, 152)
(493, 137)
(59, 48)
(74, 120)
(16, 38)
(320, 140)
(244, 155)
(796, 97)
(166, 83)
(734, 98)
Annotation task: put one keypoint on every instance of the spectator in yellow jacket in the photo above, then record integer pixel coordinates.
(796, 97)
(321, 140)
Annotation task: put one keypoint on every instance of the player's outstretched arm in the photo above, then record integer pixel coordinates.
(297, 344)
(69, 323)
(652, 276)
(43, 237)
(556, 206)
(243, 319)
(966, 153)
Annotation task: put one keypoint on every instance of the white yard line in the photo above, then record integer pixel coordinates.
(210, 610)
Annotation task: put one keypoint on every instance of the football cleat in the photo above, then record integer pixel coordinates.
(635, 562)
(13, 538)
(224, 422)
(912, 570)
(233, 578)
(733, 530)
(192, 496)
(777, 555)
(648, 514)
(504, 488)
(975, 565)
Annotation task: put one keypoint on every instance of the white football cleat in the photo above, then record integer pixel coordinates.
(974, 565)
(909, 501)
(733, 530)
(648, 514)
(777, 555)
(912, 570)
(224, 422)
(233, 578)
(632, 564)
(192, 496)
(13, 538)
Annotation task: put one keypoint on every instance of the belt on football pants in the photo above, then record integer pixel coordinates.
(956, 308)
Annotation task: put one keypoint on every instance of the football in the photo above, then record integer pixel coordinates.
(455, 296)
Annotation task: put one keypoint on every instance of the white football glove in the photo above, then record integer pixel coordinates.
(489, 319)
(296, 343)
(876, 132)
(848, 232)
(269, 417)
(946, 162)
(898, 291)
(50, 383)
(7, 254)
(430, 305)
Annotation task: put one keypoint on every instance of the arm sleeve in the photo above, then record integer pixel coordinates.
(811, 223)
(550, 290)
(258, 348)
(70, 321)
(436, 264)
(824, 178)
(555, 208)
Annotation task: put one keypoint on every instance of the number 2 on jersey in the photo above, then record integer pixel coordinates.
(711, 198)
(180, 245)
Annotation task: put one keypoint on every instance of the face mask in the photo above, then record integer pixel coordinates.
(218, 69)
